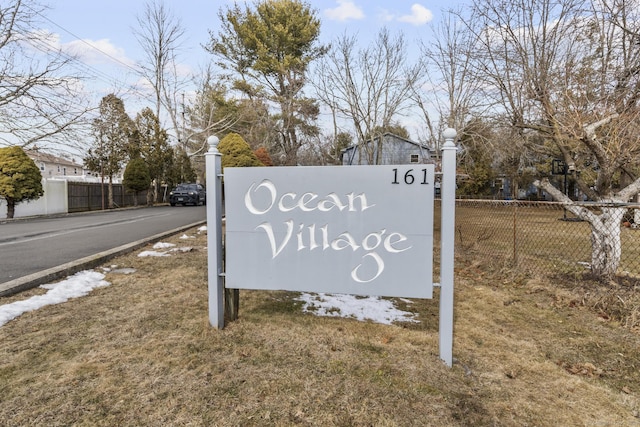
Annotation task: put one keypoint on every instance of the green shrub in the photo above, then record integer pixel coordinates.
(236, 152)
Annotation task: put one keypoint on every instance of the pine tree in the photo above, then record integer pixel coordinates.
(136, 177)
(180, 169)
(113, 130)
(154, 148)
(270, 47)
(20, 178)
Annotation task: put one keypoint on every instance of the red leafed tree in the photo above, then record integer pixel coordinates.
(263, 155)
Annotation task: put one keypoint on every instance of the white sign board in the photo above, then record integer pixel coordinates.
(363, 230)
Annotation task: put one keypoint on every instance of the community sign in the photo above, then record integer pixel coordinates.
(363, 230)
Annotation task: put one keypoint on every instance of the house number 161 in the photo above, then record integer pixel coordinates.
(409, 178)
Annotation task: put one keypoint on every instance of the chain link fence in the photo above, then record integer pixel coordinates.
(544, 238)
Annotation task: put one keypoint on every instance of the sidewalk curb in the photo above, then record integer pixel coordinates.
(45, 276)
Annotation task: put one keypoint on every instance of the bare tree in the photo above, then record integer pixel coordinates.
(567, 78)
(160, 34)
(447, 93)
(370, 87)
(212, 112)
(39, 100)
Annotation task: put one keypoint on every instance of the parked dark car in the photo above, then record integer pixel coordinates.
(185, 194)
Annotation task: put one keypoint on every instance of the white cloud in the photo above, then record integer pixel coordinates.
(97, 52)
(420, 15)
(386, 16)
(345, 11)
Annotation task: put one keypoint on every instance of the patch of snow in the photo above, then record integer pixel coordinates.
(361, 308)
(78, 285)
(152, 253)
(163, 245)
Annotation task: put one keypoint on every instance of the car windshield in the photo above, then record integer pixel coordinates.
(186, 187)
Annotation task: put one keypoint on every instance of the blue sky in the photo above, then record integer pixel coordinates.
(101, 33)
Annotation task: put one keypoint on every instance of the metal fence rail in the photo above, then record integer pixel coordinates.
(540, 237)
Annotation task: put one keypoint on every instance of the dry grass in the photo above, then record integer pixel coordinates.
(140, 352)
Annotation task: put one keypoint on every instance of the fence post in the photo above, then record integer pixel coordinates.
(214, 234)
(447, 240)
(515, 235)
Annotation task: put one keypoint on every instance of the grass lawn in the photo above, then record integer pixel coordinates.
(140, 352)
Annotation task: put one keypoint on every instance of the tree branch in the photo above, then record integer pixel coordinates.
(569, 204)
(629, 191)
(591, 141)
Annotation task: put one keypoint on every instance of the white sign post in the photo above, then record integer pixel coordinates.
(363, 230)
(447, 240)
(214, 234)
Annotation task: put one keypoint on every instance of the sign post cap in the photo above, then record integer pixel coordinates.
(449, 134)
(213, 142)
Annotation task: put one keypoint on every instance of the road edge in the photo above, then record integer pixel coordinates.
(54, 273)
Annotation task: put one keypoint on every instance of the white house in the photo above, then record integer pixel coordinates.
(54, 167)
(57, 167)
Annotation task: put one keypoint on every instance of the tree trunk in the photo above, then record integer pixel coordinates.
(11, 207)
(152, 195)
(606, 246)
(605, 242)
(110, 193)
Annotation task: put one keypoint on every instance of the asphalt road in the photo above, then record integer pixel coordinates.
(38, 249)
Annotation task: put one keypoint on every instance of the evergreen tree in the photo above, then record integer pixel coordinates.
(217, 110)
(269, 48)
(395, 128)
(180, 169)
(20, 178)
(476, 160)
(136, 177)
(113, 130)
(236, 152)
(153, 147)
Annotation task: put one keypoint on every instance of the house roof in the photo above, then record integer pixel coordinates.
(386, 134)
(39, 156)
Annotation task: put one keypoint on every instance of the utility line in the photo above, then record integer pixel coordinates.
(84, 41)
(84, 67)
